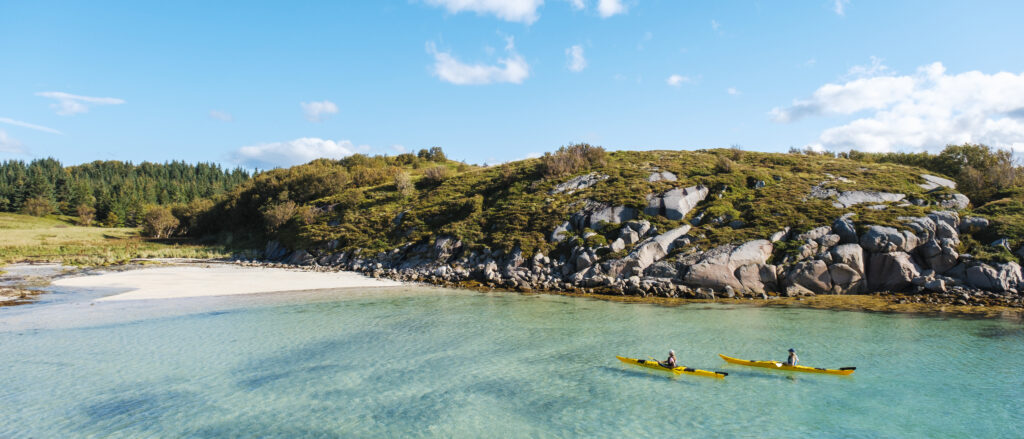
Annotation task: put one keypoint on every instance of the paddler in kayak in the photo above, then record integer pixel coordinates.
(793, 359)
(671, 361)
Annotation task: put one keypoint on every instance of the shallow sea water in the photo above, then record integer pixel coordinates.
(428, 362)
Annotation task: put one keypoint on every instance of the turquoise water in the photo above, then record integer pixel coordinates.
(423, 362)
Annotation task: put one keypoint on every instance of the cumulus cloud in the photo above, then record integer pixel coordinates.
(733, 91)
(30, 126)
(9, 145)
(608, 8)
(318, 111)
(577, 4)
(511, 69)
(292, 152)
(839, 6)
(221, 116)
(677, 80)
(68, 104)
(574, 58)
(923, 111)
(521, 11)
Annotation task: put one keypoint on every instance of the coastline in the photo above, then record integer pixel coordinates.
(182, 278)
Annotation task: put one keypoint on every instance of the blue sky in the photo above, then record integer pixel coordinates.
(262, 84)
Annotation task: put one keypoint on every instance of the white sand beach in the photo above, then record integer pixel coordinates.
(179, 281)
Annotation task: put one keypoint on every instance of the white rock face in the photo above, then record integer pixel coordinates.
(853, 198)
(676, 203)
(718, 267)
(932, 182)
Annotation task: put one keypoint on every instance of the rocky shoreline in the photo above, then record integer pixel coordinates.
(915, 265)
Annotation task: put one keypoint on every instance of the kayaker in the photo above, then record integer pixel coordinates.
(793, 359)
(671, 361)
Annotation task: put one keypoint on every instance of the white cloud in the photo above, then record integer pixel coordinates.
(839, 6)
(921, 112)
(522, 11)
(9, 145)
(677, 80)
(221, 116)
(574, 58)
(608, 8)
(401, 149)
(30, 126)
(732, 91)
(577, 4)
(318, 111)
(293, 152)
(715, 25)
(513, 69)
(876, 68)
(68, 104)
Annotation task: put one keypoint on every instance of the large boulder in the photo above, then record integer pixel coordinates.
(561, 232)
(892, 271)
(880, 239)
(845, 229)
(851, 255)
(932, 182)
(846, 279)
(955, 201)
(661, 269)
(939, 257)
(812, 275)
(717, 267)
(757, 278)
(646, 253)
(1002, 277)
(676, 203)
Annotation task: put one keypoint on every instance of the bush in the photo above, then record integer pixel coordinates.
(159, 222)
(573, 158)
(277, 214)
(436, 174)
(724, 165)
(38, 206)
(86, 214)
(403, 185)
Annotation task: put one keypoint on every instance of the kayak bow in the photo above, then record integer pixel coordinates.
(780, 366)
(677, 370)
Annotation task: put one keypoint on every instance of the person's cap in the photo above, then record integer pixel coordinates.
(791, 350)
(671, 352)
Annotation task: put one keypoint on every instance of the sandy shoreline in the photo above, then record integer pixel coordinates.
(180, 281)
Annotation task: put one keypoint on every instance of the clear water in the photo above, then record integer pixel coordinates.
(421, 362)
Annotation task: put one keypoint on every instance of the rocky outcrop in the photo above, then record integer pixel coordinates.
(853, 198)
(661, 176)
(891, 271)
(718, 267)
(676, 203)
(594, 214)
(932, 182)
(579, 183)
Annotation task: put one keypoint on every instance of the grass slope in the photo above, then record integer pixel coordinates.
(57, 239)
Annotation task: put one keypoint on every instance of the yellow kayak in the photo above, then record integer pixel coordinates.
(677, 370)
(780, 366)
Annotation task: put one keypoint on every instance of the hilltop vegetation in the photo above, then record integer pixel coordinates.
(382, 203)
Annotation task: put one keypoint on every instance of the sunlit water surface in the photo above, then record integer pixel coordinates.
(408, 362)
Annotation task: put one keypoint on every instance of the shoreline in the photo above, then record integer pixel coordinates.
(158, 279)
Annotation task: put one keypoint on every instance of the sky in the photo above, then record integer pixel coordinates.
(266, 84)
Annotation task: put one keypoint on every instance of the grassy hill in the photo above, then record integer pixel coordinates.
(362, 202)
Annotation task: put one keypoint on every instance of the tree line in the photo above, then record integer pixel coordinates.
(111, 193)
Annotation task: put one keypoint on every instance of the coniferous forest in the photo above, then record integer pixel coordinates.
(114, 193)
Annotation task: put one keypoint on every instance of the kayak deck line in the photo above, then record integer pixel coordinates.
(777, 365)
(677, 370)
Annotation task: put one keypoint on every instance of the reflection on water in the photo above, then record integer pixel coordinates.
(432, 362)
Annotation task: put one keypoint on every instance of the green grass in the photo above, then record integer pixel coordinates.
(57, 239)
